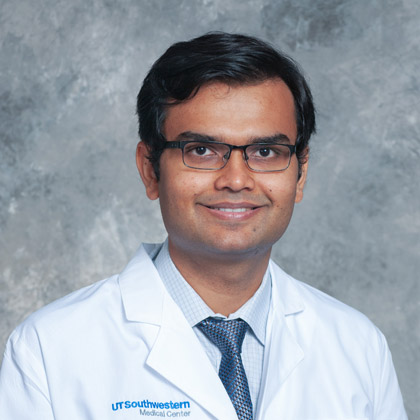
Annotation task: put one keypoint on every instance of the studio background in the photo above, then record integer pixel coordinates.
(73, 209)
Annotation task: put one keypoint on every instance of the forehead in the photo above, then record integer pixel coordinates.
(238, 112)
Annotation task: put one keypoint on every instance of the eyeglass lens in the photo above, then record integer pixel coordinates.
(259, 157)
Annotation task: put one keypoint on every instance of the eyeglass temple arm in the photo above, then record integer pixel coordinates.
(172, 145)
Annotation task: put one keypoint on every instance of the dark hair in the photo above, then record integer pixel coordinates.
(217, 57)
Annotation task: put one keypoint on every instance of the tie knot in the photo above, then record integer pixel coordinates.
(228, 336)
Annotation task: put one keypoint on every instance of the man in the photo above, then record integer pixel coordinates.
(205, 326)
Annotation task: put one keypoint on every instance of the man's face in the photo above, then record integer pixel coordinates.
(231, 212)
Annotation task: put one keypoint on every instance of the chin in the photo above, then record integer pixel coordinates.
(229, 247)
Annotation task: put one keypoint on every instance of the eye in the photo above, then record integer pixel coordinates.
(264, 151)
(268, 151)
(200, 150)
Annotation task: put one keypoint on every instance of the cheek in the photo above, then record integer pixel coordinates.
(281, 193)
(178, 190)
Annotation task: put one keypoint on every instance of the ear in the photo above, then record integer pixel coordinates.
(302, 180)
(146, 171)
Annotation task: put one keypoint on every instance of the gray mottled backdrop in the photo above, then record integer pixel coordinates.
(73, 210)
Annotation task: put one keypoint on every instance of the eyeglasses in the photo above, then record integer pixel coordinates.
(213, 155)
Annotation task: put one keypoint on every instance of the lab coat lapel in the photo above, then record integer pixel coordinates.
(176, 353)
(179, 357)
(282, 350)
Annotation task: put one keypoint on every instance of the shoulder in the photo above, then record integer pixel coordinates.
(75, 308)
(91, 308)
(341, 346)
(322, 312)
(329, 330)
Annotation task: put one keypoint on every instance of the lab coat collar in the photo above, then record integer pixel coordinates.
(286, 297)
(139, 292)
(142, 290)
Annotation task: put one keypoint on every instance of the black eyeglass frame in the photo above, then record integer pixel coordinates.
(181, 144)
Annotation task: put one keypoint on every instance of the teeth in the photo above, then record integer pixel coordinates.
(241, 210)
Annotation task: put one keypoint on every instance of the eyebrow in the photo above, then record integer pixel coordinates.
(274, 139)
(190, 135)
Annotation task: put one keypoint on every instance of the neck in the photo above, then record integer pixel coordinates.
(224, 284)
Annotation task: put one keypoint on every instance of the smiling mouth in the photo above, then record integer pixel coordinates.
(233, 208)
(239, 210)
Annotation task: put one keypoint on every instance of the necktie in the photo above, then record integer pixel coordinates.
(228, 337)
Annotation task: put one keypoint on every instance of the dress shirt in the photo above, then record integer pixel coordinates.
(254, 312)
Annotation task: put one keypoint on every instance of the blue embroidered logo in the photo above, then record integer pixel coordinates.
(155, 408)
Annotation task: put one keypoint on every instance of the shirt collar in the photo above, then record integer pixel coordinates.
(254, 311)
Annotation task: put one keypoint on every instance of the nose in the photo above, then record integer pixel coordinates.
(236, 175)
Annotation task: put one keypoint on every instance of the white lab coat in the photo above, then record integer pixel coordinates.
(103, 351)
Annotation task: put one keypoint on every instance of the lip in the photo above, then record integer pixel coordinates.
(233, 211)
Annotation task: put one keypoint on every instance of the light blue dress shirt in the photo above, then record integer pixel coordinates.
(254, 312)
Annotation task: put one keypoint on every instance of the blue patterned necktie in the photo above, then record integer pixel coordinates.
(228, 336)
